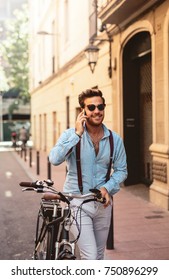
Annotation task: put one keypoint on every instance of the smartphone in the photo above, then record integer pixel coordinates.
(84, 113)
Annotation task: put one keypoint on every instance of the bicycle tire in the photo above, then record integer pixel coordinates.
(50, 250)
(43, 239)
(44, 250)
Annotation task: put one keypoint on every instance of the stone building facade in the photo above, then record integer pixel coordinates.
(137, 93)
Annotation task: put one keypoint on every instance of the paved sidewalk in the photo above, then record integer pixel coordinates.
(141, 229)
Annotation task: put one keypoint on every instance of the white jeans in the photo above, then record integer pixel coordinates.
(95, 222)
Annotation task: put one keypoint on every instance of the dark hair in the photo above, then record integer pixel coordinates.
(89, 93)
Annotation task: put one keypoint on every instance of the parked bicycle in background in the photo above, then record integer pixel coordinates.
(14, 139)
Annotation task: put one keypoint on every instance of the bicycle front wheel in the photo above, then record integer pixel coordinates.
(45, 248)
(44, 244)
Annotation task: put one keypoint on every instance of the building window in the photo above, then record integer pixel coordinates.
(53, 47)
(66, 20)
(93, 20)
(54, 127)
(67, 111)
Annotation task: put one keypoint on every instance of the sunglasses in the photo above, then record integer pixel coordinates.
(92, 107)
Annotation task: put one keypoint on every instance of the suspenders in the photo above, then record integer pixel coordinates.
(78, 165)
(79, 172)
(111, 155)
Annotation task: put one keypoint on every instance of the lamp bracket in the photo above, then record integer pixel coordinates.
(102, 29)
(110, 40)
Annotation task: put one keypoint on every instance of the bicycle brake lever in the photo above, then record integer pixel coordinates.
(39, 190)
(28, 189)
(63, 198)
(97, 192)
(98, 195)
(49, 182)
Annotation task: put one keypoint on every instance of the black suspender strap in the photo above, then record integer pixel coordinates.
(111, 155)
(110, 239)
(79, 172)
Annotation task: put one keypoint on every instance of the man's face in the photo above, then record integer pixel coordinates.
(96, 116)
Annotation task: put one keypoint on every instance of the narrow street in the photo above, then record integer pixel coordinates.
(18, 211)
(140, 227)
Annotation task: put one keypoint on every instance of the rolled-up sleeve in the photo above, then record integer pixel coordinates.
(65, 143)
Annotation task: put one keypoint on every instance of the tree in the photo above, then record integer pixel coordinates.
(15, 53)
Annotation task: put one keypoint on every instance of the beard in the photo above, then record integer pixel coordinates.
(95, 119)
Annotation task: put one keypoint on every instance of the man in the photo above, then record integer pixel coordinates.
(23, 136)
(95, 158)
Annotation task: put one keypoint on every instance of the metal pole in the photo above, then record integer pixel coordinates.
(110, 239)
(49, 168)
(25, 153)
(30, 157)
(37, 164)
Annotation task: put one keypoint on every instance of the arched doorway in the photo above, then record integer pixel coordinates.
(137, 108)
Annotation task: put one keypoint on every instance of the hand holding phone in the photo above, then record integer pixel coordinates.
(81, 119)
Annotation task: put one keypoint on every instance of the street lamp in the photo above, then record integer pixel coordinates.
(92, 52)
(92, 56)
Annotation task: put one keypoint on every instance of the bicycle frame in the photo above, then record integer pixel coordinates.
(54, 220)
(52, 238)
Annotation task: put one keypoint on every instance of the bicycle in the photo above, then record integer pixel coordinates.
(55, 217)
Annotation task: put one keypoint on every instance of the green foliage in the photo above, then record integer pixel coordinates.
(15, 52)
(3, 79)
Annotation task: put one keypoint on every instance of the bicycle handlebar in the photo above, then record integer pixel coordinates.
(44, 183)
(46, 187)
(27, 184)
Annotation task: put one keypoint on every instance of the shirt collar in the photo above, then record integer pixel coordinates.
(106, 131)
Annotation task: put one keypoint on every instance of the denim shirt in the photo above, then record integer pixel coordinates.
(94, 167)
